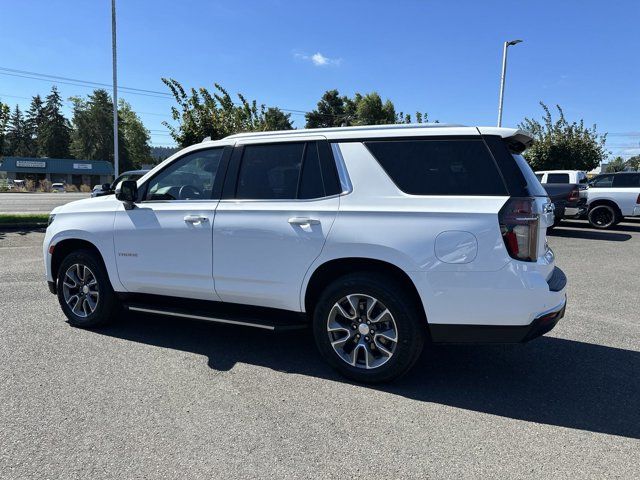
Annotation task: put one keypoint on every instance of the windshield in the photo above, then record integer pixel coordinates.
(533, 184)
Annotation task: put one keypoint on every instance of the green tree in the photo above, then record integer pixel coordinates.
(276, 119)
(562, 145)
(201, 113)
(330, 111)
(334, 110)
(136, 137)
(634, 162)
(54, 130)
(33, 120)
(616, 165)
(92, 135)
(4, 125)
(17, 137)
(370, 110)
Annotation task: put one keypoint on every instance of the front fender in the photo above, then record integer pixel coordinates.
(98, 231)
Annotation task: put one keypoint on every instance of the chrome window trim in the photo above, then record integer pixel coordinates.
(343, 175)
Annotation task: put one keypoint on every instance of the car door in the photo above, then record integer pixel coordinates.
(626, 188)
(164, 244)
(279, 203)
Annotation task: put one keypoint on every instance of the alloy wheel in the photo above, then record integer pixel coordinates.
(80, 290)
(602, 216)
(362, 331)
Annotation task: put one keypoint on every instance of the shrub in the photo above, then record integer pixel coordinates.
(85, 188)
(71, 188)
(45, 186)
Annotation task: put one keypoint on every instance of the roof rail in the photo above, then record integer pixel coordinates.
(307, 131)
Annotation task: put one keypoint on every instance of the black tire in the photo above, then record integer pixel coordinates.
(106, 302)
(602, 216)
(406, 315)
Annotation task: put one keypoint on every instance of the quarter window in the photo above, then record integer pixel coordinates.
(188, 178)
(439, 167)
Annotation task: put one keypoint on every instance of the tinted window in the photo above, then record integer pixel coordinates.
(270, 171)
(189, 178)
(439, 167)
(539, 176)
(602, 181)
(626, 180)
(534, 187)
(311, 179)
(557, 178)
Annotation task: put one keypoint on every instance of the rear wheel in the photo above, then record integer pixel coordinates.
(602, 216)
(84, 290)
(368, 328)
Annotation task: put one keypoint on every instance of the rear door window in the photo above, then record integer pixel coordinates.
(281, 171)
(439, 167)
(557, 178)
(626, 180)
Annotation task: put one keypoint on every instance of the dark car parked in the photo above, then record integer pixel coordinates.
(110, 188)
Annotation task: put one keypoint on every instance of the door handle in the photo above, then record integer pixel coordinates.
(195, 219)
(303, 221)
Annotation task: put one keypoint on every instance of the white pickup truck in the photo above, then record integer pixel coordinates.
(613, 196)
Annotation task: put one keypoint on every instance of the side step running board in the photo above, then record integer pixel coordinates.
(263, 318)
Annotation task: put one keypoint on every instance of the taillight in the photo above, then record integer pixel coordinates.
(519, 227)
(574, 196)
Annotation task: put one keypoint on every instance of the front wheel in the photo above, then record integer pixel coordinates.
(84, 290)
(602, 216)
(368, 328)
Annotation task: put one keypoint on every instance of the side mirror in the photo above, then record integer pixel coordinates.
(127, 192)
(105, 187)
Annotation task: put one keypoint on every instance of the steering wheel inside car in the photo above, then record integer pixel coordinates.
(189, 192)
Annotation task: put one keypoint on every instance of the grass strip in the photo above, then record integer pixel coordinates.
(23, 219)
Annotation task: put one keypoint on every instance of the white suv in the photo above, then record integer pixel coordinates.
(381, 238)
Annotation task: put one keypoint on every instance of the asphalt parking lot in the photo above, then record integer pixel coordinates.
(36, 202)
(156, 397)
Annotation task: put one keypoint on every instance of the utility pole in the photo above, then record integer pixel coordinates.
(115, 90)
(503, 76)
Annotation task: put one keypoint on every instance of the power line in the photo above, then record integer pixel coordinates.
(98, 84)
(82, 85)
(132, 90)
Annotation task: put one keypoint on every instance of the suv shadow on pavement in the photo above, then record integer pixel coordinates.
(549, 380)
(582, 229)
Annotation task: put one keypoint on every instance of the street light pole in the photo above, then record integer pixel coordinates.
(503, 76)
(115, 90)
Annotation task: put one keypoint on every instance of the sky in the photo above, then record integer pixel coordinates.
(442, 57)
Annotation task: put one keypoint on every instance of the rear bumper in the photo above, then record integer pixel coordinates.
(541, 324)
(544, 323)
(575, 211)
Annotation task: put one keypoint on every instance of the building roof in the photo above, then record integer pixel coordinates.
(56, 165)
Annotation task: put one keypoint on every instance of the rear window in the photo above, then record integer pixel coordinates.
(626, 180)
(557, 178)
(439, 167)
